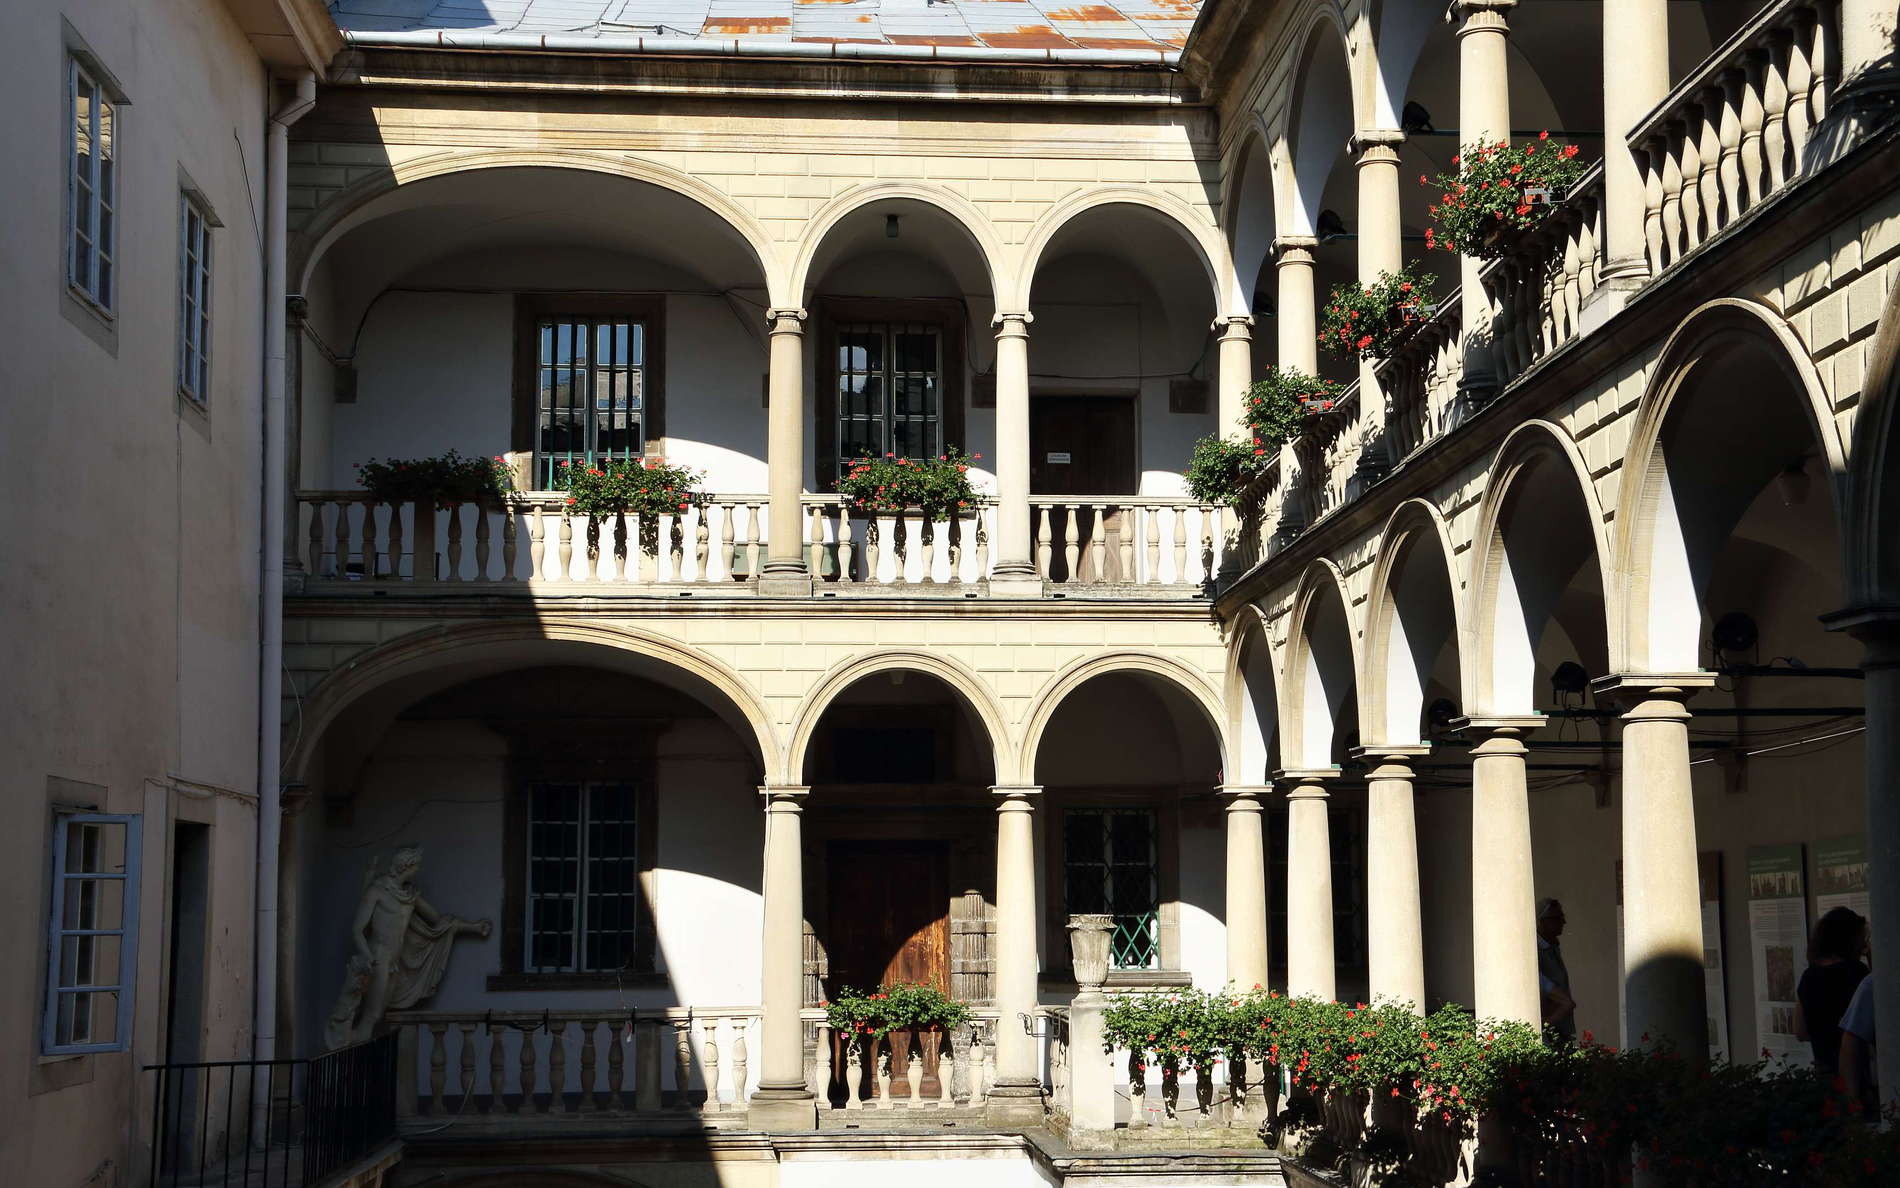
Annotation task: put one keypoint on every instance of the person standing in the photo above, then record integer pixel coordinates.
(1834, 972)
(1553, 977)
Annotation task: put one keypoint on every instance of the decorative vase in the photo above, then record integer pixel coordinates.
(1088, 948)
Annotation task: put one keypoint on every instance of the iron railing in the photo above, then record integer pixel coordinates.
(313, 1117)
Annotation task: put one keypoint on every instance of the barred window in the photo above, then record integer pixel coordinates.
(92, 935)
(590, 382)
(194, 297)
(1110, 867)
(91, 185)
(583, 900)
(890, 390)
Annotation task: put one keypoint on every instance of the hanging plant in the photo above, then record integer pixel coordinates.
(1283, 405)
(939, 487)
(1372, 321)
(1499, 193)
(1221, 468)
(446, 480)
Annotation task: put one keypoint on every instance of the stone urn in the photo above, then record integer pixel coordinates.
(1088, 947)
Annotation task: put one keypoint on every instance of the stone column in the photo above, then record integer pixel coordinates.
(1379, 251)
(1309, 884)
(1635, 79)
(1246, 884)
(783, 1100)
(1879, 633)
(1299, 330)
(1236, 368)
(1663, 980)
(1394, 924)
(785, 573)
(1015, 569)
(1016, 1097)
(1504, 900)
(1484, 113)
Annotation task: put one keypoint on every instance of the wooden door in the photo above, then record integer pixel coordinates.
(1082, 445)
(890, 913)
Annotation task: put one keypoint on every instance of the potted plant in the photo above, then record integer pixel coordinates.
(1499, 193)
(645, 487)
(938, 487)
(914, 1010)
(1373, 321)
(442, 480)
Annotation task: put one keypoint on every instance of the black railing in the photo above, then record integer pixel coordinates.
(271, 1123)
(349, 1106)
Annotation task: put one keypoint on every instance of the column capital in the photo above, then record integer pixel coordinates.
(1234, 326)
(1244, 797)
(1012, 322)
(1377, 146)
(1629, 688)
(1391, 752)
(786, 320)
(782, 797)
(1006, 794)
(1295, 249)
(1305, 783)
(1475, 16)
(1875, 625)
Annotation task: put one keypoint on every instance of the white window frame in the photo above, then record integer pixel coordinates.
(125, 982)
(195, 222)
(100, 203)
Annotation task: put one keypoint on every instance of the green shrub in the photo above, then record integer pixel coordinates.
(447, 480)
(940, 487)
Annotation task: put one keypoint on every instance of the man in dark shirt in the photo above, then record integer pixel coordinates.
(1834, 971)
(1553, 977)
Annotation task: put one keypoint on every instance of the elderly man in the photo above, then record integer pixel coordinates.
(1553, 978)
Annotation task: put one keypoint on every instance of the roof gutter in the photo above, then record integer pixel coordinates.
(732, 47)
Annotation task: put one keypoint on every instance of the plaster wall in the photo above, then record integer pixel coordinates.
(130, 625)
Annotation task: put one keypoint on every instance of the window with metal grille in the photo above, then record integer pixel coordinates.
(890, 390)
(583, 901)
(194, 297)
(590, 381)
(92, 934)
(91, 185)
(1110, 866)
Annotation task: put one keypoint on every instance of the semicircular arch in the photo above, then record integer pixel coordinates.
(422, 652)
(849, 672)
(1049, 699)
(1306, 730)
(954, 206)
(1871, 506)
(1532, 444)
(1658, 604)
(1388, 709)
(1192, 224)
(356, 203)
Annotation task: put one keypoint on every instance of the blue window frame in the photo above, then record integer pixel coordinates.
(92, 934)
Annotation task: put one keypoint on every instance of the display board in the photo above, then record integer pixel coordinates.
(1778, 938)
(1840, 874)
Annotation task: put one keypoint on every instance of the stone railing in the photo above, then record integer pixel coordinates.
(1735, 131)
(1536, 293)
(452, 1063)
(943, 1072)
(1420, 381)
(1159, 544)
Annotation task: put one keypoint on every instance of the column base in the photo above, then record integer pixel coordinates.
(1014, 1105)
(781, 1110)
(1009, 585)
(1610, 296)
(790, 583)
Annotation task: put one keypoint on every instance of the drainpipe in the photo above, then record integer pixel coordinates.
(271, 648)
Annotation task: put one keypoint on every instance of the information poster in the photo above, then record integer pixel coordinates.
(1840, 874)
(1714, 975)
(1778, 935)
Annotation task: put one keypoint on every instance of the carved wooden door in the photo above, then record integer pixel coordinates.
(890, 913)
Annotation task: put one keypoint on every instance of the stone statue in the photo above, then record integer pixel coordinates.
(400, 948)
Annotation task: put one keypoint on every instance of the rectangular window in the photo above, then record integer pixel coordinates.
(1110, 866)
(194, 299)
(590, 380)
(583, 901)
(890, 386)
(91, 185)
(92, 934)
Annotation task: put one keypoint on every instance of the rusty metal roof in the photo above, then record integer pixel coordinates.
(1057, 27)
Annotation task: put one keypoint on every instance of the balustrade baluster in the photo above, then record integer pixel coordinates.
(525, 1073)
(847, 549)
(537, 544)
(1823, 62)
(1689, 162)
(564, 549)
(315, 552)
(619, 1037)
(557, 1067)
(821, 1064)
(709, 1062)
(1180, 547)
(453, 516)
(726, 545)
(1137, 1091)
(651, 531)
(1709, 154)
(676, 546)
(752, 541)
(466, 1062)
(340, 549)
(739, 1087)
(395, 542)
(946, 1073)
(1098, 543)
(368, 543)
(1672, 213)
(986, 1074)
(1774, 102)
(1650, 157)
(647, 1092)
(927, 535)
(953, 528)
(1801, 84)
(1213, 531)
(815, 542)
(497, 1063)
(884, 1101)
(871, 547)
(588, 1029)
(853, 1074)
(682, 1062)
(702, 545)
(914, 1083)
(1125, 544)
(510, 550)
(1153, 516)
(438, 1066)
(1754, 162)
(982, 543)
(1729, 170)
(1044, 546)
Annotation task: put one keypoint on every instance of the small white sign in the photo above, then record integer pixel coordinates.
(1059, 459)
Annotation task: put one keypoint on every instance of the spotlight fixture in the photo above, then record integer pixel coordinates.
(890, 226)
(1439, 716)
(1415, 120)
(1792, 483)
(1734, 632)
(1569, 679)
(1331, 227)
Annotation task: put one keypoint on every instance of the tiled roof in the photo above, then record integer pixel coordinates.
(1056, 25)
